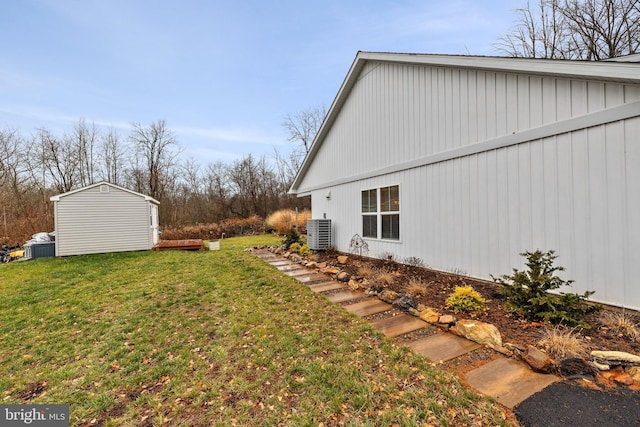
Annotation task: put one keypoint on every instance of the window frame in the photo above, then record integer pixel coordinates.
(387, 198)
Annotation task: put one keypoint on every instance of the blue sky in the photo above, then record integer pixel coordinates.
(223, 74)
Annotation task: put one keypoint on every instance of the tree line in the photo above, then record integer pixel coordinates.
(147, 160)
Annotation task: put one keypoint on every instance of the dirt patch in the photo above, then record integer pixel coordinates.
(32, 390)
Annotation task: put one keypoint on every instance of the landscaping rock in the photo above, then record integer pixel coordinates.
(277, 251)
(447, 319)
(311, 265)
(373, 290)
(634, 372)
(343, 276)
(538, 360)
(322, 265)
(412, 311)
(353, 285)
(330, 270)
(405, 302)
(619, 377)
(343, 259)
(576, 368)
(429, 315)
(615, 358)
(388, 296)
(480, 332)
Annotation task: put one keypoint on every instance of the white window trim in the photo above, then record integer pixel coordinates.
(379, 214)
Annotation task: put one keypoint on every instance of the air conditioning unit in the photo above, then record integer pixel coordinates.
(318, 234)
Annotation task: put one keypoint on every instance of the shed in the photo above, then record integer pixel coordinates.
(102, 218)
(466, 162)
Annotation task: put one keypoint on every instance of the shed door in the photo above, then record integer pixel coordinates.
(154, 224)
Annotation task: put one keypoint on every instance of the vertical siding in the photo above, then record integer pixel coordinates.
(477, 213)
(576, 193)
(92, 222)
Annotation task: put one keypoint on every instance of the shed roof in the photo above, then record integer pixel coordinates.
(614, 71)
(57, 198)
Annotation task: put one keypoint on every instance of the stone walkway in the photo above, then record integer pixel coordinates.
(507, 380)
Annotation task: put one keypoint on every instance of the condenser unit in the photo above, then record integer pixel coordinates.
(318, 234)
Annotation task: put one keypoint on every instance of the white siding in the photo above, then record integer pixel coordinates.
(89, 221)
(575, 192)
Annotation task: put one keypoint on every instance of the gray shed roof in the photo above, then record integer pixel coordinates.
(57, 198)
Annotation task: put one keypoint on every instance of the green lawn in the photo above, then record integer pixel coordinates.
(207, 338)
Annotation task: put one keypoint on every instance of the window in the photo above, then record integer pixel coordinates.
(383, 218)
(370, 213)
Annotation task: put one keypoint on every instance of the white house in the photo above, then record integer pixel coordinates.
(466, 162)
(102, 218)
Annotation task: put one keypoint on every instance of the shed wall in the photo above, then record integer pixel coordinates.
(93, 222)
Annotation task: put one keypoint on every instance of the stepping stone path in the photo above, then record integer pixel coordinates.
(508, 381)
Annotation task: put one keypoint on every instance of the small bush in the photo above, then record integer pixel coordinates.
(295, 247)
(304, 250)
(291, 238)
(621, 323)
(285, 219)
(560, 342)
(416, 287)
(465, 299)
(384, 278)
(527, 292)
(366, 272)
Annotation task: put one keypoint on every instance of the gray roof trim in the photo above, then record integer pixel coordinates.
(57, 198)
(626, 72)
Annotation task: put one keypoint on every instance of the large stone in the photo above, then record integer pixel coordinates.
(322, 265)
(373, 290)
(538, 360)
(343, 259)
(429, 315)
(447, 319)
(343, 276)
(576, 367)
(619, 377)
(330, 270)
(480, 332)
(311, 265)
(615, 358)
(388, 296)
(404, 302)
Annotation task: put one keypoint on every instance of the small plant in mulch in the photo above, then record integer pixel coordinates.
(304, 250)
(384, 278)
(527, 292)
(414, 261)
(295, 247)
(465, 299)
(621, 323)
(291, 238)
(416, 287)
(560, 342)
(366, 272)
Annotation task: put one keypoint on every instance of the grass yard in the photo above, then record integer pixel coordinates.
(208, 338)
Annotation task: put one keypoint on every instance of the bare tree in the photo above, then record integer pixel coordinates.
(156, 147)
(304, 126)
(574, 29)
(84, 139)
(112, 154)
(59, 160)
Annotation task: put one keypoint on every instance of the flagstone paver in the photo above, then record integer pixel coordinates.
(441, 347)
(398, 325)
(508, 381)
(313, 279)
(368, 307)
(345, 296)
(328, 286)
